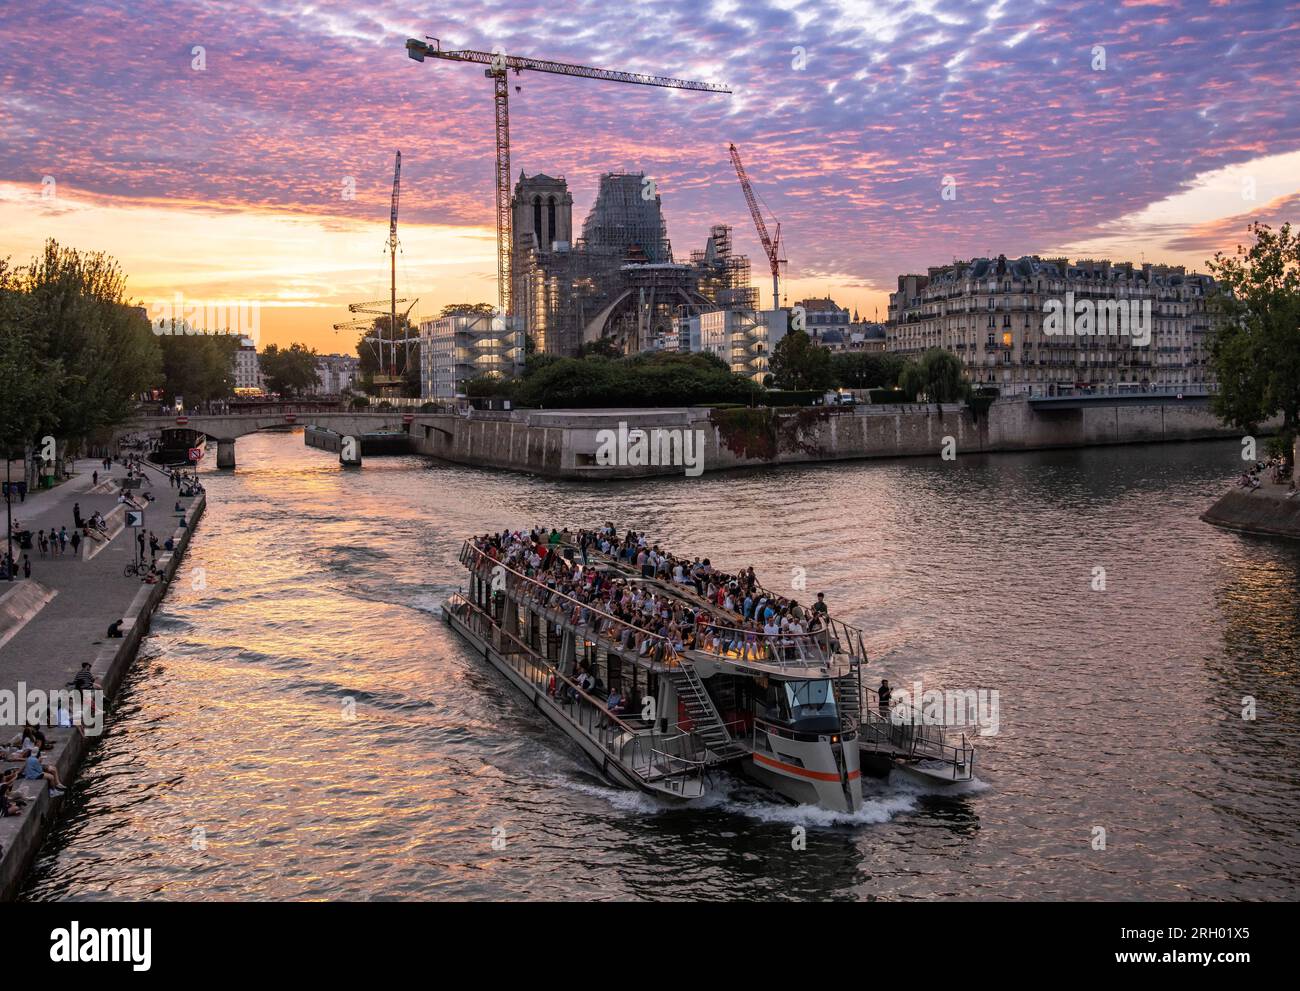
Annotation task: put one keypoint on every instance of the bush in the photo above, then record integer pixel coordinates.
(792, 397)
(385, 405)
(360, 402)
(649, 380)
(882, 396)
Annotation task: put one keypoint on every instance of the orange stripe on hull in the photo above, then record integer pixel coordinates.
(802, 772)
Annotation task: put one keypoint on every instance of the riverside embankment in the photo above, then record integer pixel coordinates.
(1267, 510)
(56, 620)
(568, 443)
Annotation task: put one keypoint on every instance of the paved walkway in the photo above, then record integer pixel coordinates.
(49, 649)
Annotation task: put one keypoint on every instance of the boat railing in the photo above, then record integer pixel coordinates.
(912, 738)
(635, 747)
(806, 649)
(848, 638)
(588, 615)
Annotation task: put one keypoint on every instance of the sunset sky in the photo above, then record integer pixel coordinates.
(225, 179)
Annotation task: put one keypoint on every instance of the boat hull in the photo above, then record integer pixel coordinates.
(551, 709)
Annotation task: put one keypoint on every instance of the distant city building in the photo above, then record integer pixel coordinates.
(822, 315)
(247, 370)
(998, 315)
(742, 338)
(335, 374)
(456, 349)
(619, 280)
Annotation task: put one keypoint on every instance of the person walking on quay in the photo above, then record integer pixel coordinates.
(76, 515)
(63, 540)
(42, 545)
(94, 478)
(76, 542)
(27, 566)
(139, 539)
(153, 547)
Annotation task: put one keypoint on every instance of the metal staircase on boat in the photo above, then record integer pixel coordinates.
(706, 722)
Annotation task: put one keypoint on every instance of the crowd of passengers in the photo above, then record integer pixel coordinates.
(736, 617)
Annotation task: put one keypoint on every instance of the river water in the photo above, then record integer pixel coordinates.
(302, 725)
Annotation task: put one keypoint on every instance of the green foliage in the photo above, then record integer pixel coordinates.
(68, 327)
(884, 396)
(27, 377)
(664, 379)
(1255, 348)
(360, 402)
(603, 347)
(199, 367)
(484, 386)
(936, 376)
(798, 363)
(290, 370)
(866, 369)
(467, 309)
(793, 397)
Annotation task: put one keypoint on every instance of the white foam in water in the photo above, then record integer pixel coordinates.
(896, 797)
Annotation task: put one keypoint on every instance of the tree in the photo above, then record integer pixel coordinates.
(798, 363)
(467, 309)
(199, 367)
(866, 370)
(100, 348)
(288, 371)
(28, 378)
(937, 375)
(1255, 347)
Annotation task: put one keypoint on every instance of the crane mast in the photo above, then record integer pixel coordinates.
(392, 257)
(771, 246)
(500, 66)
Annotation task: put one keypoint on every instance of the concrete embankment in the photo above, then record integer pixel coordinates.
(1266, 511)
(567, 443)
(52, 631)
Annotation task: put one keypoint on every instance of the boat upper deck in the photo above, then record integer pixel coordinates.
(655, 622)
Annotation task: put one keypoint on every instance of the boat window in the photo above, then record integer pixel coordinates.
(810, 698)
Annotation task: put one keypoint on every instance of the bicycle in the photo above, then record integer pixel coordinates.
(134, 570)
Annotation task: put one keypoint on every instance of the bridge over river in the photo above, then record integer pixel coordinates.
(226, 428)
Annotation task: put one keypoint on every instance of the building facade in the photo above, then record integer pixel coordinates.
(742, 338)
(247, 371)
(335, 374)
(1127, 327)
(456, 349)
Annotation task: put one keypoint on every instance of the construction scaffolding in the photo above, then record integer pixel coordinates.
(724, 277)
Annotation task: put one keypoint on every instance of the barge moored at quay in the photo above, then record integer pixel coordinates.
(596, 645)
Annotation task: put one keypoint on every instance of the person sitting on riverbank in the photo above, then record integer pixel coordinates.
(35, 770)
(29, 738)
(11, 803)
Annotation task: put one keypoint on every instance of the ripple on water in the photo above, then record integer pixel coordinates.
(306, 712)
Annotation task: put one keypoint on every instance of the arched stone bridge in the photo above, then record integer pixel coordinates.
(224, 428)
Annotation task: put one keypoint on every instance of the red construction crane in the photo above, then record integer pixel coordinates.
(500, 65)
(771, 245)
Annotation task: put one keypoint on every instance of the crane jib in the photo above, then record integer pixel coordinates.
(520, 64)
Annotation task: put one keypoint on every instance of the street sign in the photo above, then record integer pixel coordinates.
(135, 518)
(182, 420)
(196, 454)
(290, 417)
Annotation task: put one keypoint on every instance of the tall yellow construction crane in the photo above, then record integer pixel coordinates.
(772, 246)
(499, 67)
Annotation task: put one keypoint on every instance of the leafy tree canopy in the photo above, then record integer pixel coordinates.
(1255, 348)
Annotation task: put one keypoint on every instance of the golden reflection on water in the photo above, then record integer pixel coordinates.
(309, 710)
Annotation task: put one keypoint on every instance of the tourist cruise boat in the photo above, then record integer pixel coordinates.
(783, 710)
